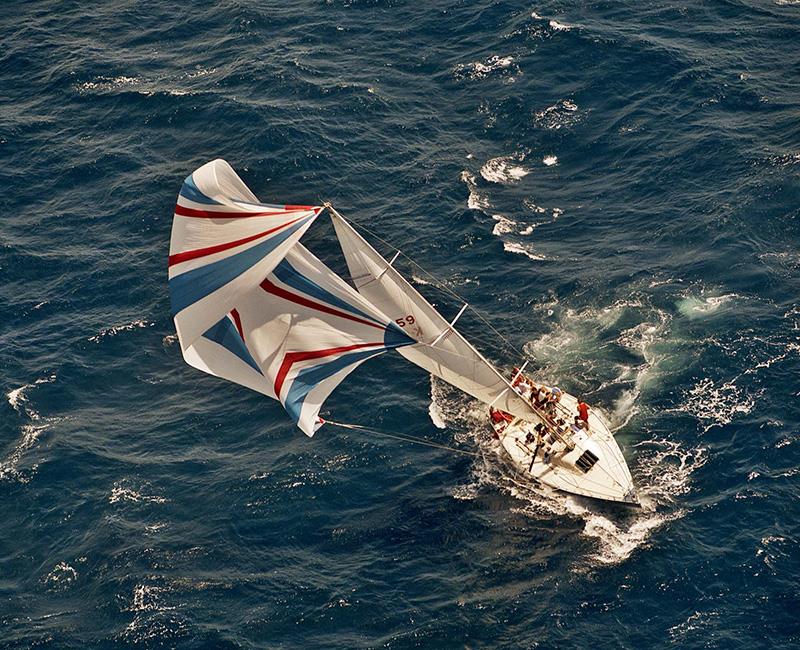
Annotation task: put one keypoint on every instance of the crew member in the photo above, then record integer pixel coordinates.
(541, 396)
(583, 411)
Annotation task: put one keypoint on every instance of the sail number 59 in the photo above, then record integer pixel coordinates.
(405, 320)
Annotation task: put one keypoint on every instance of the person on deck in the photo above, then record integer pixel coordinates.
(578, 425)
(583, 411)
(542, 396)
(555, 396)
(500, 420)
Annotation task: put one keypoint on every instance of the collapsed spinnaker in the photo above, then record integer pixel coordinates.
(286, 325)
(223, 243)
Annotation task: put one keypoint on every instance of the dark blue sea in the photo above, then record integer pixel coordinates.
(614, 186)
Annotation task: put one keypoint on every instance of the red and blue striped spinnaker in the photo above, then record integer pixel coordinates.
(223, 242)
(257, 308)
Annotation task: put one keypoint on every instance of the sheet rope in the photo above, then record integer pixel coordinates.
(403, 437)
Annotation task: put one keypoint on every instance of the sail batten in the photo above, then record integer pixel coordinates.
(440, 348)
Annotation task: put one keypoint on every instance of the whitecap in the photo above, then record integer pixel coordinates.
(122, 491)
(482, 69)
(716, 403)
(694, 307)
(30, 432)
(518, 249)
(18, 398)
(503, 225)
(9, 466)
(562, 114)
(503, 170)
(549, 161)
(476, 200)
(61, 576)
(116, 329)
(434, 411)
(559, 27)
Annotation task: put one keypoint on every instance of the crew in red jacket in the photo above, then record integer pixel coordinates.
(583, 411)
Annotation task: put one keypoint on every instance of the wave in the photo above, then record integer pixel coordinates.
(519, 249)
(476, 200)
(30, 431)
(562, 114)
(175, 86)
(694, 307)
(494, 65)
(116, 329)
(503, 225)
(435, 413)
(61, 577)
(718, 403)
(503, 170)
(123, 491)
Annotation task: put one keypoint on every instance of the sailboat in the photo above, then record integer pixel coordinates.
(252, 305)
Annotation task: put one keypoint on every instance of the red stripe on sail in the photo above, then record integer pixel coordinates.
(294, 357)
(269, 287)
(237, 320)
(177, 258)
(183, 211)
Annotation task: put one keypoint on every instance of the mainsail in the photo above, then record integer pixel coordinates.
(441, 350)
(252, 305)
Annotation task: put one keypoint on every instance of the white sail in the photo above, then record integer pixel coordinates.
(440, 349)
(223, 242)
(295, 336)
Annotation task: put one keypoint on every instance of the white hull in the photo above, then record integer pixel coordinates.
(559, 467)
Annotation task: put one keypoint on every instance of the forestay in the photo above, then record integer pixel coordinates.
(440, 350)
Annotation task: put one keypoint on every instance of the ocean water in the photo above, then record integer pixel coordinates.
(614, 185)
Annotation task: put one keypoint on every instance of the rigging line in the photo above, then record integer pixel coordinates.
(412, 439)
(442, 286)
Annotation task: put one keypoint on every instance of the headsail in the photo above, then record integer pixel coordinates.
(223, 242)
(441, 350)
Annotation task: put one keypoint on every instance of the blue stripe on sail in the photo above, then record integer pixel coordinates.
(187, 288)
(225, 334)
(287, 274)
(396, 337)
(193, 193)
(308, 378)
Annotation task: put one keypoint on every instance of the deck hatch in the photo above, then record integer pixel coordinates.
(586, 461)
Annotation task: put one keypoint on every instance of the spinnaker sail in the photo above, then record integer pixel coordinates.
(224, 242)
(292, 333)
